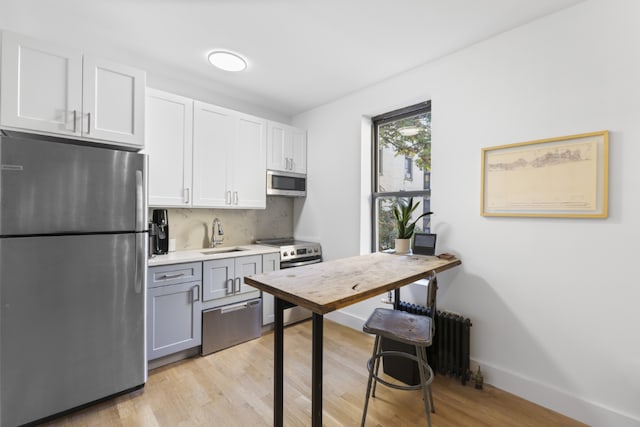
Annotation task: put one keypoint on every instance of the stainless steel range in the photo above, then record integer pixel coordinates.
(295, 253)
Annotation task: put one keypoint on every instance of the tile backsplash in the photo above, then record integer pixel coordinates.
(192, 227)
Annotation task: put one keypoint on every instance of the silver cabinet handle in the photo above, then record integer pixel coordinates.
(238, 281)
(75, 119)
(170, 276)
(196, 293)
(286, 163)
(187, 195)
(230, 286)
(228, 197)
(292, 164)
(88, 123)
(235, 197)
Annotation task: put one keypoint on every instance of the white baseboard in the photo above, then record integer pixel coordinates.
(588, 412)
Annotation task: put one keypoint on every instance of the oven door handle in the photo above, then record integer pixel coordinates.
(299, 264)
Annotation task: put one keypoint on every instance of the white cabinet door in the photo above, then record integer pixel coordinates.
(298, 156)
(286, 148)
(248, 166)
(276, 146)
(270, 262)
(213, 136)
(41, 86)
(169, 144)
(113, 101)
(228, 158)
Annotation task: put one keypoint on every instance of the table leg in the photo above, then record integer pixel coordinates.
(278, 363)
(316, 374)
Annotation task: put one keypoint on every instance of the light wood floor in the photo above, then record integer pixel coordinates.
(234, 387)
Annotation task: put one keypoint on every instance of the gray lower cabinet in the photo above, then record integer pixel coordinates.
(174, 306)
(224, 278)
(270, 262)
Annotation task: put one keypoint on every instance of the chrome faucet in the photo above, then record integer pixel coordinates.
(216, 231)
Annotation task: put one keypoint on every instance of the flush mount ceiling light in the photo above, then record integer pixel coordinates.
(227, 61)
(408, 131)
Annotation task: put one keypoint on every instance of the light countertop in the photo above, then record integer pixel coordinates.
(206, 254)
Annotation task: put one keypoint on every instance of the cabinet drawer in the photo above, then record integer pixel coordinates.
(165, 275)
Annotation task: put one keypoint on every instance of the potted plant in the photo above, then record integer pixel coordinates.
(402, 212)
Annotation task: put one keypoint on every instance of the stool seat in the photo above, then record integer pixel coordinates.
(400, 326)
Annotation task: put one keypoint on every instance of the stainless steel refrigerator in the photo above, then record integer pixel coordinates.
(73, 252)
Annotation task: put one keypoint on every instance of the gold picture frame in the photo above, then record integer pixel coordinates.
(563, 177)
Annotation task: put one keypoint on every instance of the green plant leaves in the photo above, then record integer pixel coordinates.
(402, 212)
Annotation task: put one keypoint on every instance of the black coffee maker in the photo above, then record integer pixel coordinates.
(159, 232)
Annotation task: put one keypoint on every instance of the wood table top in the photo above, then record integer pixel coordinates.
(329, 286)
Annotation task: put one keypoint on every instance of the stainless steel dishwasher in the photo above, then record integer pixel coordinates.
(229, 325)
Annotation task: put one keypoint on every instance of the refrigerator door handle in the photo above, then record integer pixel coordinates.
(140, 208)
(141, 242)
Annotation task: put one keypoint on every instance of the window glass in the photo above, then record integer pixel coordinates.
(402, 144)
(386, 232)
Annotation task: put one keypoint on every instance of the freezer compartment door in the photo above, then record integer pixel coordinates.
(72, 323)
(230, 325)
(53, 187)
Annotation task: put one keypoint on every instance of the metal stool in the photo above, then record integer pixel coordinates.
(412, 329)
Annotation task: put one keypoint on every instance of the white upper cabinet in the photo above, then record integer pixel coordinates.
(229, 158)
(169, 143)
(286, 148)
(52, 90)
(213, 134)
(41, 86)
(113, 101)
(249, 179)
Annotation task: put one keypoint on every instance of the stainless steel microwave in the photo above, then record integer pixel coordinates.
(286, 184)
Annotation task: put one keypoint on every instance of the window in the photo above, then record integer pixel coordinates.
(408, 168)
(402, 148)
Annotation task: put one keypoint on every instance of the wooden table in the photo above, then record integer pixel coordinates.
(329, 286)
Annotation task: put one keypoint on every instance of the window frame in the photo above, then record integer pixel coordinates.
(376, 122)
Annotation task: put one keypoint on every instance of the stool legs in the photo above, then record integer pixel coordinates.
(426, 376)
(377, 350)
(371, 364)
(426, 389)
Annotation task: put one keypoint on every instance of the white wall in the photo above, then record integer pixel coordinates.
(554, 302)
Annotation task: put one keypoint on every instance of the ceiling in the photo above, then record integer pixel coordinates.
(301, 53)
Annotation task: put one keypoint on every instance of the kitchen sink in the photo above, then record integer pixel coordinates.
(222, 251)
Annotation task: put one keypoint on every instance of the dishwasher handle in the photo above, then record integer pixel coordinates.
(239, 306)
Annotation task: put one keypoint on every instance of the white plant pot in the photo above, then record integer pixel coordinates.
(403, 246)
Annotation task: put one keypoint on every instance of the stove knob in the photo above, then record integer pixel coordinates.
(284, 254)
(292, 253)
(315, 250)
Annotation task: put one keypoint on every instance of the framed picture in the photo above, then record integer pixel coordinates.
(556, 177)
